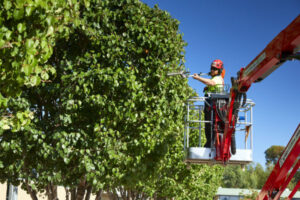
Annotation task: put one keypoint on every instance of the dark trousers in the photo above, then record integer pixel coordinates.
(218, 119)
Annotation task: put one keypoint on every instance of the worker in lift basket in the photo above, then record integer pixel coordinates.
(213, 85)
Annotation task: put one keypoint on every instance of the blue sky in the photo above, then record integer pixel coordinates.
(236, 32)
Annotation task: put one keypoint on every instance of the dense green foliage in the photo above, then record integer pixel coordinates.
(28, 32)
(185, 181)
(86, 102)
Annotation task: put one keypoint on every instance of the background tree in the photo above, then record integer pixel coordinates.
(103, 113)
(261, 175)
(273, 153)
(254, 176)
(248, 177)
(294, 181)
(233, 177)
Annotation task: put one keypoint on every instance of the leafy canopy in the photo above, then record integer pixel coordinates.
(273, 153)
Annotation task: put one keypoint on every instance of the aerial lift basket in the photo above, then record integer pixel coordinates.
(194, 132)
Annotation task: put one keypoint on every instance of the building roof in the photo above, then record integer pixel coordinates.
(240, 192)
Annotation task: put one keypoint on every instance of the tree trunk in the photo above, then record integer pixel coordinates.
(88, 193)
(155, 196)
(67, 193)
(54, 192)
(123, 192)
(48, 193)
(31, 191)
(81, 189)
(143, 196)
(111, 195)
(98, 196)
(129, 194)
(132, 194)
(73, 194)
(116, 196)
(51, 192)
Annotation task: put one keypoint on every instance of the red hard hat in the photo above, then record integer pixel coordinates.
(217, 64)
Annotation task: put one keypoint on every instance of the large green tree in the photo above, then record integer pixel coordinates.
(95, 108)
(261, 175)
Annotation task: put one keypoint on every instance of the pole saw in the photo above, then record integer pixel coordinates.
(185, 74)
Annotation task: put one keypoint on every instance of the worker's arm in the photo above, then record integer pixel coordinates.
(206, 81)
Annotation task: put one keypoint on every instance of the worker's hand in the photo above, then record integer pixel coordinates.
(195, 76)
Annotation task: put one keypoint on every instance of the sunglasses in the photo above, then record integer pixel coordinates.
(213, 68)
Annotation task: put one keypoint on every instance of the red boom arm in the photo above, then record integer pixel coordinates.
(281, 174)
(285, 46)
